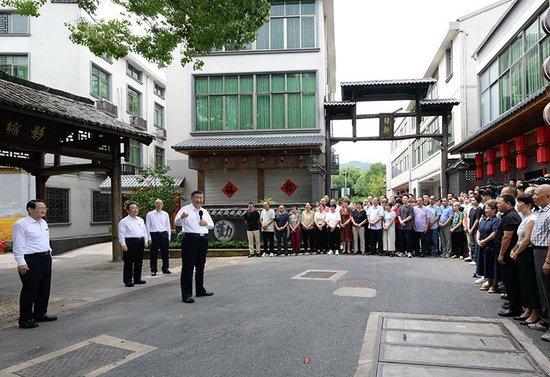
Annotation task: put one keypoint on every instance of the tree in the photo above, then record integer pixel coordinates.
(373, 181)
(347, 178)
(156, 184)
(155, 28)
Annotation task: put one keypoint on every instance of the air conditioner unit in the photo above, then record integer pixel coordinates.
(107, 107)
(160, 133)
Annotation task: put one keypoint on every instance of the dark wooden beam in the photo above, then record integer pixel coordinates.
(67, 169)
(388, 138)
(57, 149)
(260, 175)
(116, 206)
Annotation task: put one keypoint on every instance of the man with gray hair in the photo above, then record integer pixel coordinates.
(159, 227)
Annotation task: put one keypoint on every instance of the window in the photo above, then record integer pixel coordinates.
(159, 116)
(449, 61)
(400, 164)
(159, 157)
(282, 101)
(15, 65)
(57, 200)
(12, 23)
(133, 72)
(291, 25)
(425, 148)
(100, 83)
(135, 153)
(159, 90)
(134, 102)
(101, 207)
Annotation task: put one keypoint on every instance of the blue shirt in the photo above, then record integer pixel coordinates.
(446, 213)
(421, 218)
(436, 211)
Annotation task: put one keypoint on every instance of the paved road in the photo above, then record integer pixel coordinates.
(260, 322)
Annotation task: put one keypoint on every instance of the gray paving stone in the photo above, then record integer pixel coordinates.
(355, 292)
(447, 340)
(403, 370)
(452, 357)
(443, 326)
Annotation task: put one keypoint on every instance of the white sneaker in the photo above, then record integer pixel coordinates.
(270, 254)
(307, 253)
(481, 280)
(409, 255)
(329, 252)
(546, 336)
(472, 263)
(337, 252)
(264, 255)
(468, 259)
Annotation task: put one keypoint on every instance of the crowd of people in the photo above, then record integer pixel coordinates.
(506, 237)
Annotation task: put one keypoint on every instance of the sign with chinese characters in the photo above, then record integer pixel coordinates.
(224, 230)
(229, 189)
(289, 187)
(387, 122)
(14, 129)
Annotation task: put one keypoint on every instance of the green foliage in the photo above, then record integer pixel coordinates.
(362, 182)
(200, 26)
(145, 196)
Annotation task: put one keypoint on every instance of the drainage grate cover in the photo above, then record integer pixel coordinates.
(78, 362)
(319, 274)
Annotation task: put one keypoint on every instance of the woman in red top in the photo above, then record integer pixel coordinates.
(346, 235)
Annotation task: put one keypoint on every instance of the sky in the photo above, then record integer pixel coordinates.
(382, 40)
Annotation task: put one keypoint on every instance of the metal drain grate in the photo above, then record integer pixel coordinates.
(76, 363)
(328, 275)
(319, 274)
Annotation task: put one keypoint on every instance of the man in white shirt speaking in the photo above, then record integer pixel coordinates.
(133, 238)
(160, 230)
(195, 222)
(32, 252)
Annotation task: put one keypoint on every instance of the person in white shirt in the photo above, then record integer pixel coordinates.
(32, 252)
(267, 222)
(375, 215)
(133, 238)
(160, 230)
(195, 222)
(332, 220)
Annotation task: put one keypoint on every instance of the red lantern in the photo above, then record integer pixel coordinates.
(301, 160)
(504, 165)
(262, 161)
(479, 173)
(503, 151)
(521, 147)
(479, 160)
(491, 170)
(244, 159)
(491, 155)
(282, 159)
(206, 160)
(225, 160)
(543, 148)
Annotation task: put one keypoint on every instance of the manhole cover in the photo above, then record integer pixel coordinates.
(356, 282)
(330, 275)
(77, 363)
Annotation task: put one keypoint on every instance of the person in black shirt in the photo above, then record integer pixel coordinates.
(474, 217)
(359, 219)
(252, 219)
(281, 229)
(506, 238)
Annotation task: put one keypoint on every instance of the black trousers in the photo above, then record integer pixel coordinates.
(376, 241)
(407, 240)
(133, 259)
(458, 244)
(333, 239)
(420, 243)
(36, 286)
(320, 240)
(193, 257)
(307, 239)
(159, 241)
(282, 241)
(528, 279)
(268, 240)
(510, 277)
(398, 242)
(368, 240)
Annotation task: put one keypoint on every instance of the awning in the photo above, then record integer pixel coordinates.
(386, 90)
(131, 182)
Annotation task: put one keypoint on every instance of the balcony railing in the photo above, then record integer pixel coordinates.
(129, 169)
(139, 123)
(107, 107)
(160, 133)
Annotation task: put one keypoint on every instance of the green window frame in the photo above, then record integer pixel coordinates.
(133, 72)
(159, 90)
(100, 83)
(271, 101)
(13, 23)
(135, 153)
(133, 102)
(158, 120)
(15, 65)
(159, 157)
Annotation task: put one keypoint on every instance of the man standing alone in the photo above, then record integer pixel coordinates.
(195, 222)
(133, 238)
(158, 226)
(32, 252)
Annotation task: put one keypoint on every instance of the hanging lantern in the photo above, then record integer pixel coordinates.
(301, 160)
(225, 160)
(521, 148)
(479, 160)
(282, 159)
(504, 151)
(479, 166)
(479, 173)
(244, 160)
(206, 160)
(543, 145)
(262, 161)
(490, 154)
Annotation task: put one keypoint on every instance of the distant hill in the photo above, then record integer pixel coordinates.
(357, 164)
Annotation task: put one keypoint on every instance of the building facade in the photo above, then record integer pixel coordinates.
(132, 90)
(416, 164)
(249, 125)
(512, 142)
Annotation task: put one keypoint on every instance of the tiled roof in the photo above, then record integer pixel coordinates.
(340, 103)
(439, 101)
(250, 141)
(495, 122)
(136, 181)
(389, 82)
(16, 93)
